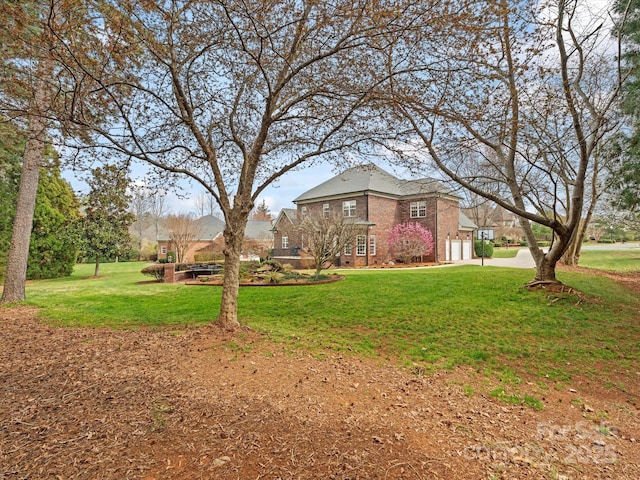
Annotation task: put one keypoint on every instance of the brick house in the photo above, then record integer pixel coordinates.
(378, 201)
(258, 239)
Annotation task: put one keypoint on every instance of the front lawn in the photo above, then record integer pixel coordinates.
(431, 318)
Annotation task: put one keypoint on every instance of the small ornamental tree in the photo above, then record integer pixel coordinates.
(409, 240)
(184, 232)
(326, 236)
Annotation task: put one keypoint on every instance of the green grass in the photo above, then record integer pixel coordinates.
(433, 318)
(611, 260)
(503, 252)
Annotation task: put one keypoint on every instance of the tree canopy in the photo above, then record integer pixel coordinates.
(522, 96)
(626, 177)
(106, 221)
(232, 94)
(53, 242)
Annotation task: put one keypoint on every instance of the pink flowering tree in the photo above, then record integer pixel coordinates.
(409, 240)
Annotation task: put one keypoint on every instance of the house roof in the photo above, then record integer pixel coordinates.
(372, 179)
(290, 213)
(212, 226)
(465, 223)
(258, 230)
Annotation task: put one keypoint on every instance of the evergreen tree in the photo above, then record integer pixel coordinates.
(105, 226)
(53, 249)
(53, 246)
(626, 178)
(11, 150)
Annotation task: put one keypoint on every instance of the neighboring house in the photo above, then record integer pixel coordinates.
(378, 201)
(505, 224)
(258, 238)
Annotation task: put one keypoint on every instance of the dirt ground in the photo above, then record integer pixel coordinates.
(202, 404)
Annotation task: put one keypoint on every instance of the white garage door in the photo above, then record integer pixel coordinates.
(466, 250)
(456, 250)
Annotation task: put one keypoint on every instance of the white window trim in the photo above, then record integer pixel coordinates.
(361, 245)
(418, 207)
(285, 241)
(348, 249)
(372, 245)
(349, 208)
(325, 210)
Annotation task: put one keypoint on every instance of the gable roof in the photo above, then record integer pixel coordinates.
(465, 223)
(372, 179)
(290, 213)
(211, 226)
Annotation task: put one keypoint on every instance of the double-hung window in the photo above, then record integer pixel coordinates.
(349, 208)
(361, 245)
(418, 209)
(372, 244)
(325, 210)
(285, 241)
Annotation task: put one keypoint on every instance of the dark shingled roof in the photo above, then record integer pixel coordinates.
(371, 178)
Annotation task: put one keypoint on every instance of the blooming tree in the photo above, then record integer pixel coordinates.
(409, 240)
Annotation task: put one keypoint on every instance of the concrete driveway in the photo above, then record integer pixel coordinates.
(522, 260)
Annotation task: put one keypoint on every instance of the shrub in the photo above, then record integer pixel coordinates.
(272, 277)
(155, 270)
(606, 240)
(523, 243)
(272, 265)
(488, 249)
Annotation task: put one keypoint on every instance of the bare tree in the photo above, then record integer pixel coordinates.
(326, 236)
(234, 94)
(205, 205)
(140, 207)
(529, 83)
(157, 209)
(184, 232)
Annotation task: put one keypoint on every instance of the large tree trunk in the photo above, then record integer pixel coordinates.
(16, 277)
(546, 270)
(545, 262)
(233, 236)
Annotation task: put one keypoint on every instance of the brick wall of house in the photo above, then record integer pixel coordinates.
(284, 227)
(448, 223)
(385, 213)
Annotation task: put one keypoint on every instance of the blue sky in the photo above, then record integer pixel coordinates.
(277, 196)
